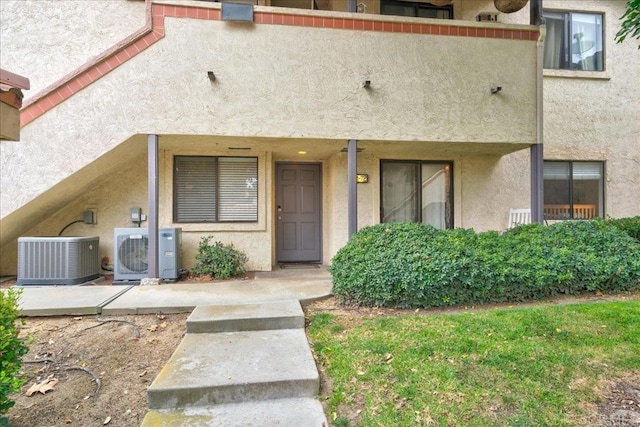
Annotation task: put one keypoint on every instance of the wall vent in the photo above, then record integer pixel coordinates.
(58, 260)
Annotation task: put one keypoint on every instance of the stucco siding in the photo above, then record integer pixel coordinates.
(47, 39)
(415, 95)
(279, 89)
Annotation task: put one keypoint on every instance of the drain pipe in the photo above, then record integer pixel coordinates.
(537, 150)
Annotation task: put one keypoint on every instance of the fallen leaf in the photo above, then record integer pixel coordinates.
(68, 421)
(153, 328)
(163, 325)
(77, 318)
(42, 387)
(143, 374)
(106, 421)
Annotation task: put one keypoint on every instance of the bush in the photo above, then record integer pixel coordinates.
(12, 349)
(219, 261)
(629, 225)
(412, 265)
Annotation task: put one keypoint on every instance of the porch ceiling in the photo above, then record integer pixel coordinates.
(319, 149)
(130, 151)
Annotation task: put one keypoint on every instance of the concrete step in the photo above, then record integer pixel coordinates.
(229, 367)
(246, 317)
(300, 412)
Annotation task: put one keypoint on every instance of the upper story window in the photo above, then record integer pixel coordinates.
(215, 189)
(420, 10)
(574, 41)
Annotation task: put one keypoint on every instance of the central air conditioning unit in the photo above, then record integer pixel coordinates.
(131, 246)
(58, 260)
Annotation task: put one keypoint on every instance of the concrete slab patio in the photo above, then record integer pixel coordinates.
(67, 300)
(304, 285)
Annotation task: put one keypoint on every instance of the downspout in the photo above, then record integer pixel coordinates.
(537, 150)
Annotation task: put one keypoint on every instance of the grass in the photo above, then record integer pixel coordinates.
(516, 367)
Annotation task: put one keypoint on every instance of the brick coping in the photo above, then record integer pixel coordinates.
(154, 30)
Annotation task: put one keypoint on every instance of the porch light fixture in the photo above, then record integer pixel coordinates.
(302, 153)
(496, 89)
(367, 84)
(211, 75)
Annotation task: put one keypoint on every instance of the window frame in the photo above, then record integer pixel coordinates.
(416, 5)
(574, 72)
(450, 220)
(602, 204)
(217, 191)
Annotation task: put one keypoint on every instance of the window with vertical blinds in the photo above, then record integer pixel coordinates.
(215, 189)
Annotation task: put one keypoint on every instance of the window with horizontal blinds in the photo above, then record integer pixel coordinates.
(238, 189)
(573, 190)
(215, 189)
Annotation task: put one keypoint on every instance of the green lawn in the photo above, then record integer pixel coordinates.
(513, 367)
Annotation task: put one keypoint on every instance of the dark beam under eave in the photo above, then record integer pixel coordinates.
(537, 150)
(152, 157)
(352, 189)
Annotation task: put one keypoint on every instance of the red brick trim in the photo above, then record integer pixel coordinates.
(153, 31)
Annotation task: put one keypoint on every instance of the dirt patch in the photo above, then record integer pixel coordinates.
(103, 366)
(620, 404)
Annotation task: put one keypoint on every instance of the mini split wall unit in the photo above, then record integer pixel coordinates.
(58, 260)
(131, 259)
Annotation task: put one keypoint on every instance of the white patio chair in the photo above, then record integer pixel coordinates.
(519, 217)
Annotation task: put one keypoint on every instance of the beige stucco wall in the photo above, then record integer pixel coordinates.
(165, 90)
(594, 115)
(278, 89)
(47, 39)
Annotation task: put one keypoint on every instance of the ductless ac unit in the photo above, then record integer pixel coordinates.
(131, 246)
(58, 260)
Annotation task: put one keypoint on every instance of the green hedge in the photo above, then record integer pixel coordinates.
(12, 348)
(629, 225)
(412, 265)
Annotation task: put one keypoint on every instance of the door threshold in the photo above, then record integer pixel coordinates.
(298, 265)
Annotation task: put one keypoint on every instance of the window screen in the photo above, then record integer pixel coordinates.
(215, 189)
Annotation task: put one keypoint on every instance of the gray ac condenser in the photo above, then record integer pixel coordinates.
(58, 260)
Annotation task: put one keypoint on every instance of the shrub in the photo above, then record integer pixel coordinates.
(219, 260)
(377, 261)
(412, 265)
(12, 348)
(630, 225)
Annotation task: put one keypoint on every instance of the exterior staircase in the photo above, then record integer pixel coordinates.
(239, 365)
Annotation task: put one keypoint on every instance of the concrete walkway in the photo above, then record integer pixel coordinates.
(304, 285)
(245, 359)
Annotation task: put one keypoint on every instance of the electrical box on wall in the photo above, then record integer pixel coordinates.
(487, 17)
